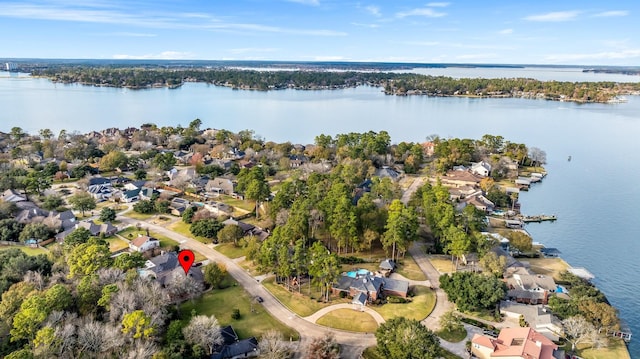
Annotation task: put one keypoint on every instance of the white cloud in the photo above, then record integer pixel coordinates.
(164, 21)
(306, 2)
(505, 32)
(557, 16)
(421, 43)
(373, 10)
(608, 55)
(370, 26)
(165, 55)
(612, 13)
(438, 4)
(427, 12)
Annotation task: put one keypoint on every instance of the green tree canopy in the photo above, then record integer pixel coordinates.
(472, 291)
(82, 201)
(402, 338)
(87, 258)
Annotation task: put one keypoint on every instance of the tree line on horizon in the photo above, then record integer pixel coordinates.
(392, 83)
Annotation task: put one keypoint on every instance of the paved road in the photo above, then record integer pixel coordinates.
(459, 348)
(406, 196)
(307, 330)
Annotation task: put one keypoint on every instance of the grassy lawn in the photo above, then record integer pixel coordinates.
(349, 319)
(299, 303)
(616, 349)
(140, 216)
(183, 228)
(410, 269)
(455, 336)
(245, 206)
(116, 244)
(421, 305)
(27, 250)
(548, 266)
(134, 232)
(442, 263)
(230, 250)
(221, 303)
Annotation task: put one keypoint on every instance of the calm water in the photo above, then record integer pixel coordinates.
(595, 196)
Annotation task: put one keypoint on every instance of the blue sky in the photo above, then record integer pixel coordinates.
(519, 32)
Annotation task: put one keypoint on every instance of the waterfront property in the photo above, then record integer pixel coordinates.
(537, 317)
(525, 343)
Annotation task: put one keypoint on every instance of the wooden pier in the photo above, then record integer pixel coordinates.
(540, 218)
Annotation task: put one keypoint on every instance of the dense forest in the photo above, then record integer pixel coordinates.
(393, 83)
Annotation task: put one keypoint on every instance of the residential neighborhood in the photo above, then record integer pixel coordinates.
(343, 237)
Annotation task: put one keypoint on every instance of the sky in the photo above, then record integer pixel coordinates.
(497, 32)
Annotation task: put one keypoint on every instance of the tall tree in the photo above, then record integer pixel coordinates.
(401, 228)
(401, 338)
(82, 201)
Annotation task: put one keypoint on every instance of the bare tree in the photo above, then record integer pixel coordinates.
(142, 349)
(324, 348)
(90, 336)
(538, 157)
(36, 279)
(204, 331)
(182, 287)
(578, 330)
(272, 346)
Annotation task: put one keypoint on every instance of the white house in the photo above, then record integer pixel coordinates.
(144, 243)
(481, 168)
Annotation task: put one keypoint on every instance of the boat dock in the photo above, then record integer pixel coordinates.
(539, 218)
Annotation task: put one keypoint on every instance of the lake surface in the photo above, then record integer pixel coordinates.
(595, 196)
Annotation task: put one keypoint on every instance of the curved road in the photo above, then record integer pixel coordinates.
(306, 329)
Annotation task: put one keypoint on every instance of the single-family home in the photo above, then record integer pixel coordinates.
(143, 243)
(530, 288)
(165, 266)
(13, 196)
(460, 178)
(221, 185)
(106, 229)
(246, 348)
(372, 286)
(248, 229)
(481, 168)
(537, 317)
(513, 343)
(296, 161)
(479, 201)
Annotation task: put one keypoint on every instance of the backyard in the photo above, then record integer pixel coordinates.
(221, 304)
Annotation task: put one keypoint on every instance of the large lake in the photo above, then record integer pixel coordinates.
(596, 196)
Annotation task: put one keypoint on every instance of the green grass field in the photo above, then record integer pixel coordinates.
(183, 228)
(616, 349)
(230, 250)
(27, 250)
(140, 216)
(221, 304)
(410, 269)
(300, 304)
(116, 244)
(349, 319)
(421, 306)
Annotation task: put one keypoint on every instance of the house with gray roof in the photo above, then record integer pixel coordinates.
(538, 317)
(530, 288)
(373, 287)
(246, 348)
(11, 195)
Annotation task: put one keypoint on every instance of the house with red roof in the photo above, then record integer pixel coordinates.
(515, 343)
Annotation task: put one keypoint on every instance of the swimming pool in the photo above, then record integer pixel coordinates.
(359, 272)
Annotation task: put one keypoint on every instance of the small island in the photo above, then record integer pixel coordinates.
(352, 232)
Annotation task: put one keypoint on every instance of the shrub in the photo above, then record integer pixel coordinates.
(235, 314)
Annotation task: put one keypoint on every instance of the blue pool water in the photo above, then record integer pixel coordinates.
(353, 274)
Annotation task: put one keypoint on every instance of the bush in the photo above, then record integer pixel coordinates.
(236, 314)
(350, 260)
(395, 299)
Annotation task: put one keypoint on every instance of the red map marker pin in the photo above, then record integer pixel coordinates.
(186, 257)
